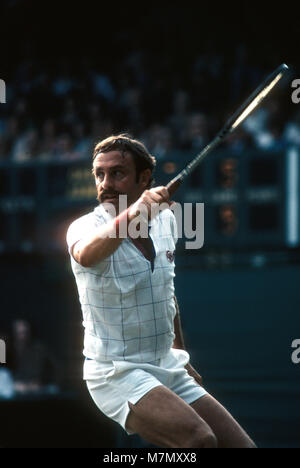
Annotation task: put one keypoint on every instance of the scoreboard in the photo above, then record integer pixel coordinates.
(251, 199)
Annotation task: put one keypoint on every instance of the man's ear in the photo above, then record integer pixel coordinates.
(144, 178)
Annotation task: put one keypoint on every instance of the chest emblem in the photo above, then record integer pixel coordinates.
(170, 256)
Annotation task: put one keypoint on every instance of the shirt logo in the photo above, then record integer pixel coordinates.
(170, 256)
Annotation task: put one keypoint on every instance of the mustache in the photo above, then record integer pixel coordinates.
(107, 194)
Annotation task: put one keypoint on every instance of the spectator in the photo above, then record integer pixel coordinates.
(100, 129)
(33, 367)
(48, 140)
(63, 84)
(26, 147)
(130, 104)
(178, 120)
(103, 87)
(159, 140)
(291, 131)
(70, 115)
(196, 131)
(65, 149)
(239, 140)
(143, 94)
(265, 127)
(83, 142)
(11, 133)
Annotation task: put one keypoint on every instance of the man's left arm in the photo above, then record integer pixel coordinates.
(179, 344)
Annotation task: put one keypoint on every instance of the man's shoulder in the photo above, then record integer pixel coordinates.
(94, 218)
(86, 218)
(82, 226)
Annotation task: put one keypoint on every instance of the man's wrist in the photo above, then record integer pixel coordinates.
(121, 223)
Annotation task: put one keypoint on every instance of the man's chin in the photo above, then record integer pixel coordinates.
(112, 200)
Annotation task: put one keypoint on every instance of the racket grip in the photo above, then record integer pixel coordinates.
(173, 186)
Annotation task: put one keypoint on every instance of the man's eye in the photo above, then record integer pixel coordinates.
(118, 174)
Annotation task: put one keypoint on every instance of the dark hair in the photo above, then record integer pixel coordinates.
(124, 143)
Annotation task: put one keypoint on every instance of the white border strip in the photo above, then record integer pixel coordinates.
(292, 198)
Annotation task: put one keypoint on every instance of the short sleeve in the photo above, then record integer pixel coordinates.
(79, 229)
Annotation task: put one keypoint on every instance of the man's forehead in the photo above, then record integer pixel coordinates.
(112, 158)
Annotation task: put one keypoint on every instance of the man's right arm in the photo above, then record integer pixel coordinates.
(95, 247)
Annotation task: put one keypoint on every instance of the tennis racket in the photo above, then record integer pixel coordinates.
(238, 117)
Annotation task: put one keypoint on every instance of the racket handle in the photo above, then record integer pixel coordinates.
(173, 186)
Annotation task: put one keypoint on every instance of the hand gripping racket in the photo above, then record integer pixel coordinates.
(240, 115)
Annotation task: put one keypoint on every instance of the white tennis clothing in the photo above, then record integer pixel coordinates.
(128, 315)
(128, 309)
(112, 384)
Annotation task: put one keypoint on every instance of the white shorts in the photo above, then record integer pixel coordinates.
(112, 384)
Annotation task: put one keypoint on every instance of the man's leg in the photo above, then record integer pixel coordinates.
(165, 420)
(227, 431)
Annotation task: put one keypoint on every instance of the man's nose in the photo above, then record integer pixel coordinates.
(107, 182)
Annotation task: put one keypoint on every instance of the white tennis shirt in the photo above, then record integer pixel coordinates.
(128, 309)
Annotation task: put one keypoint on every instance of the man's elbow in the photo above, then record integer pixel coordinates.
(87, 258)
(90, 255)
(85, 261)
(83, 257)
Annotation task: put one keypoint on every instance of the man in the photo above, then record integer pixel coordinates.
(34, 369)
(136, 368)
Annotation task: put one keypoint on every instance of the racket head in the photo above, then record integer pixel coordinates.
(256, 97)
(237, 118)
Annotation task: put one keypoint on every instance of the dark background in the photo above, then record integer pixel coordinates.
(239, 308)
(106, 33)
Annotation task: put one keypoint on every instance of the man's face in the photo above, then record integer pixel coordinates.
(115, 175)
(21, 331)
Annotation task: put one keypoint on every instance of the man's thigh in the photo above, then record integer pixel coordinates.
(228, 432)
(164, 419)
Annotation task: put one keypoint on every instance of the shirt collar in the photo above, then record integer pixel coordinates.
(102, 213)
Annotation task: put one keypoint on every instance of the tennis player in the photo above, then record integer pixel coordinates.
(136, 368)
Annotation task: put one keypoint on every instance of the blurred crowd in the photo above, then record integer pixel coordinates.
(59, 111)
(31, 367)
